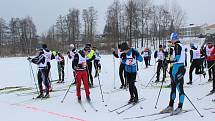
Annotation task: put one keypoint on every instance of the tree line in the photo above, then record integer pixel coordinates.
(141, 23)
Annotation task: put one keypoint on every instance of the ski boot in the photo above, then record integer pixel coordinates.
(131, 100)
(47, 95)
(88, 98)
(40, 95)
(121, 87)
(209, 80)
(136, 100)
(189, 83)
(204, 74)
(212, 91)
(177, 111)
(79, 99)
(168, 109)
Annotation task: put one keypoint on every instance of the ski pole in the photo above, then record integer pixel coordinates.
(31, 69)
(114, 76)
(150, 80)
(194, 106)
(210, 67)
(159, 94)
(67, 92)
(67, 68)
(100, 88)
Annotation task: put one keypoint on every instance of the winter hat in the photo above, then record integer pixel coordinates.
(88, 45)
(192, 45)
(44, 46)
(174, 37)
(124, 46)
(71, 45)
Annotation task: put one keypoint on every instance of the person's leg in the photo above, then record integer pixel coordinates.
(209, 71)
(59, 71)
(213, 71)
(89, 64)
(130, 87)
(121, 69)
(85, 82)
(158, 70)
(190, 73)
(39, 77)
(172, 94)
(45, 80)
(78, 84)
(180, 88)
(62, 71)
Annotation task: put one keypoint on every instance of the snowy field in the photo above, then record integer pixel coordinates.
(16, 103)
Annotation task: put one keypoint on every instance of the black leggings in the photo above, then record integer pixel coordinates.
(90, 77)
(162, 65)
(212, 69)
(131, 77)
(146, 60)
(42, 77)
(177, 83)
(196, 64)
(122, 74)
(61, 70)
(97, 67)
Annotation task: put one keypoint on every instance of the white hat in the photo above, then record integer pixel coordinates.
(71, 45)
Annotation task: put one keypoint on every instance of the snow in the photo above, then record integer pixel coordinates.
(14, 106)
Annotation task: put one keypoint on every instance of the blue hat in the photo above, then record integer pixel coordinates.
(174, 36)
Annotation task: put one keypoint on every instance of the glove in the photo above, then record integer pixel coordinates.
(29, 58)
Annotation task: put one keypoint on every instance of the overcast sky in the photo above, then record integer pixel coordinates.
(45, 12)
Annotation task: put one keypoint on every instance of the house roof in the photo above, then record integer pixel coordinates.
(211, 26)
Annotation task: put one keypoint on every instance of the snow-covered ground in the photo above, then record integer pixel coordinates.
(19, 106)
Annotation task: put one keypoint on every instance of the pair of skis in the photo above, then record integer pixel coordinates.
(128, 106)
(155, 114)
(90, 104)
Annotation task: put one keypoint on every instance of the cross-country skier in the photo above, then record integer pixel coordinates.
(210, 59)
(160, 56)
(49, 57)
(118, 54)
(60, 65)
(42, 76)
(196, 62)
(97, 64)
(90, 57)
(71, 53)
(79, 64)
(132, 56)
(146, 56)
(177, 75)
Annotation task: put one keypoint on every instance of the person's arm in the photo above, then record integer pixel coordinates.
(155, 54)
(138, 56)
(92, 58)
(177, 49)
(191, 55)
(75, 62)
(37, 60)
(115, 54)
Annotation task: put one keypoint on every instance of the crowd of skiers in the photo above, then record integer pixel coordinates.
(81, 65)
(172, 56)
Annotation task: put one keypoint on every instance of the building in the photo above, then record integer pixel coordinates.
(210, 29)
